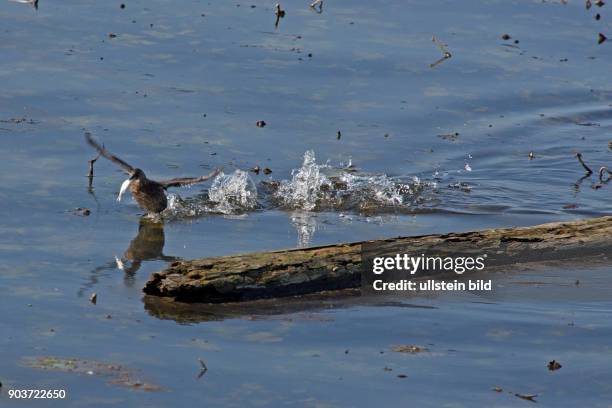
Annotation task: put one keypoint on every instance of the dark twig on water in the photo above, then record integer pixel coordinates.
(203, 368)
(445, 53)
(586, 168)
(90, 175)
(605, 175)
(279, 13)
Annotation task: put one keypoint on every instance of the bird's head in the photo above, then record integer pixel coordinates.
(137, 175)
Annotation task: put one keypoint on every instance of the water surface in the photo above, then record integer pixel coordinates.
(177, 90)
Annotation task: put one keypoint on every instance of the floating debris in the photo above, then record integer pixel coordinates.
(267, 171)
(531, 156)
(93, 298)
(449, 136)
(445, 53)
(600, 3)
(116, 374)
(588, 4)
(279, 13)
(255, 169)
(81, 212)
(528, 397)
(34, 3)
(112, 35)
(498, 389)
(17, 121)
(554, 365)
(317, 6)
(260, 124)
(601, 38)
(339, 135)
(412, 349)
(506, 37)
(604, 174)
(203, 368)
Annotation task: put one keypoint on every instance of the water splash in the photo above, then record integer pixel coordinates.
(233, 193)
(306, 186)
(313, 187)
(319, 187)
(229, 194)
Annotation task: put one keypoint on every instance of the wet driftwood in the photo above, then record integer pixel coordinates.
(332, 267)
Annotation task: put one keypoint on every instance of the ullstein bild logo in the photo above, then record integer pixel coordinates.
(397, 272)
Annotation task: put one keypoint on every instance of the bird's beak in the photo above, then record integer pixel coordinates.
(124, 187)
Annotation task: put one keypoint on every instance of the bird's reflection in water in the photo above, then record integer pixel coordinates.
(147, 245)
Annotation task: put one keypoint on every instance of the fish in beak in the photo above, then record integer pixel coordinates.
(124, 187)
(119, 263)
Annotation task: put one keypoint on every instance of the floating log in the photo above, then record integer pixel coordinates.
(332, 267)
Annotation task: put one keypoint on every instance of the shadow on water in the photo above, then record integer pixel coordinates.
(147, 245)
(268, 309)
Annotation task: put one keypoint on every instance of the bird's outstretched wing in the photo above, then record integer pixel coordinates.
(92, 142)
(185, 181)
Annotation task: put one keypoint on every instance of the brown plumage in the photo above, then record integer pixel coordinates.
(149, 194)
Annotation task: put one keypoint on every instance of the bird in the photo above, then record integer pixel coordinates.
(149, 194)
